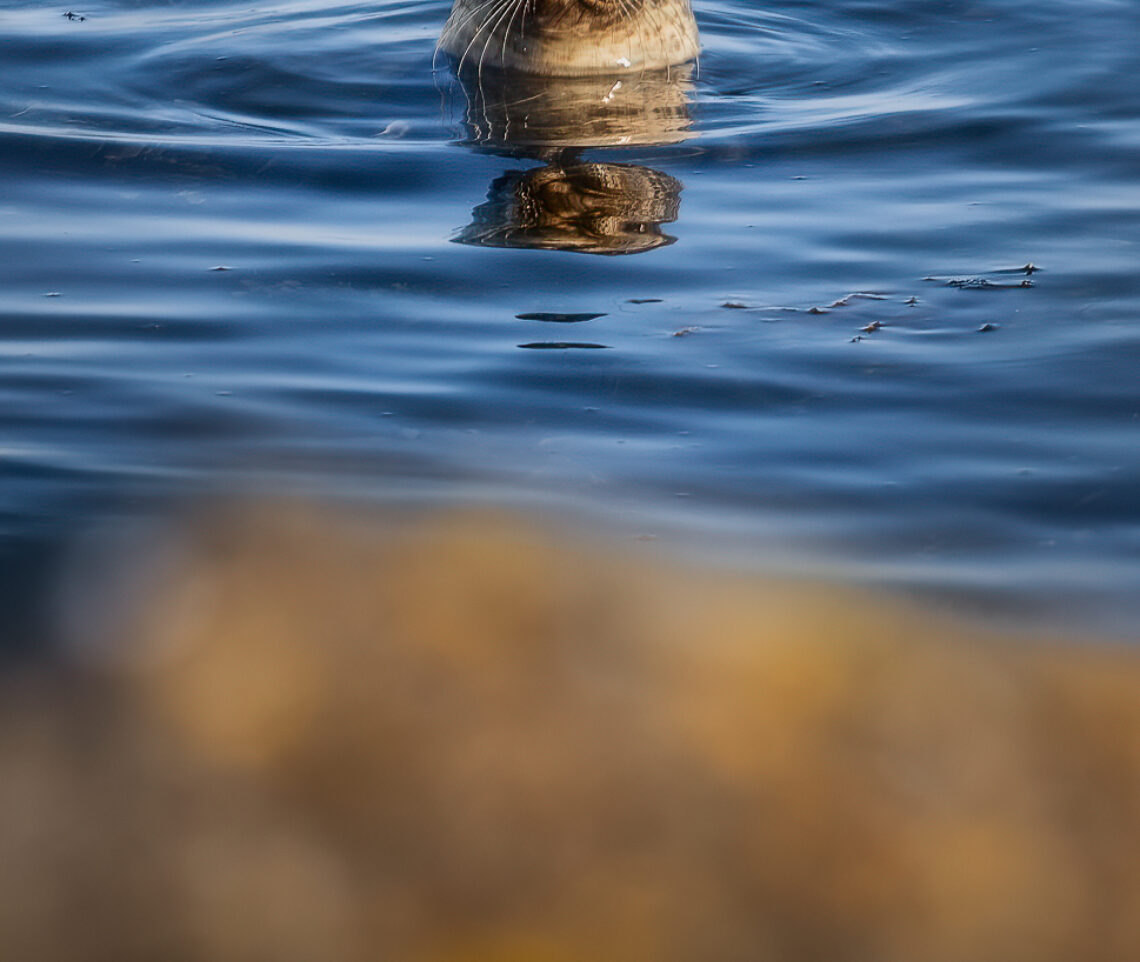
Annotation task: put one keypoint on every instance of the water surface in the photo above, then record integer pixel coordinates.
(859, 297)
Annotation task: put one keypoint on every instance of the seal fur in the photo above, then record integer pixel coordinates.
(571, 37)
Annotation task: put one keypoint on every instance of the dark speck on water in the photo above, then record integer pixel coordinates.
(558, 318)
(825, 154)
(562, 345)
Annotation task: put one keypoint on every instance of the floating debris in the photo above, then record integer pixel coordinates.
(855, 295)
(396, 129)
(979, 283)
(563, 346)
(1029, 268)
(558, 318)
(982, 281)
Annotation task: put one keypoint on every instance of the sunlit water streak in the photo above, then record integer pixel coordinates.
(350, 346)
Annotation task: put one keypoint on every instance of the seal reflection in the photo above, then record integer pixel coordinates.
(571, 204)
(589, 208)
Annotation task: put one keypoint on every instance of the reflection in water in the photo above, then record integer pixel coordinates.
(593, 208)
(589, 208)
(524, 112)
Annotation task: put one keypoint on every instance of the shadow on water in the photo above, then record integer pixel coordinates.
(571, 204)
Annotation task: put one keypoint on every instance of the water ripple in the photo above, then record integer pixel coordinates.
(230, 252)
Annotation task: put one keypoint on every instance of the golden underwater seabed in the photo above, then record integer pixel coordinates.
(474, 739)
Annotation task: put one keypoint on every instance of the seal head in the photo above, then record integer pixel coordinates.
(571, 37)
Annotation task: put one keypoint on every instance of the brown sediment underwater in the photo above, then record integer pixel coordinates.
(472, 739)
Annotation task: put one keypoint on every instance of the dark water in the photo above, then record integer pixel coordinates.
(668, 345)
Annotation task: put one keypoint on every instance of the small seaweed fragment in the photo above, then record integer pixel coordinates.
(981, 283)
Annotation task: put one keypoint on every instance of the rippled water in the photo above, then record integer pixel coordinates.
(790, 304)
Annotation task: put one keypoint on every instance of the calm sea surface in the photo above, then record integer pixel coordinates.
(859, 297)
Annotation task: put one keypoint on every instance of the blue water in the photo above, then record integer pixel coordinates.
(276, 247)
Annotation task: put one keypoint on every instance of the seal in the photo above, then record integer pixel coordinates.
(571, 37)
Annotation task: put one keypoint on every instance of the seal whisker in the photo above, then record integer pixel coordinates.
(495, 4)
(456, 24)
(510, 23)
(500, 12)
(572, 37)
